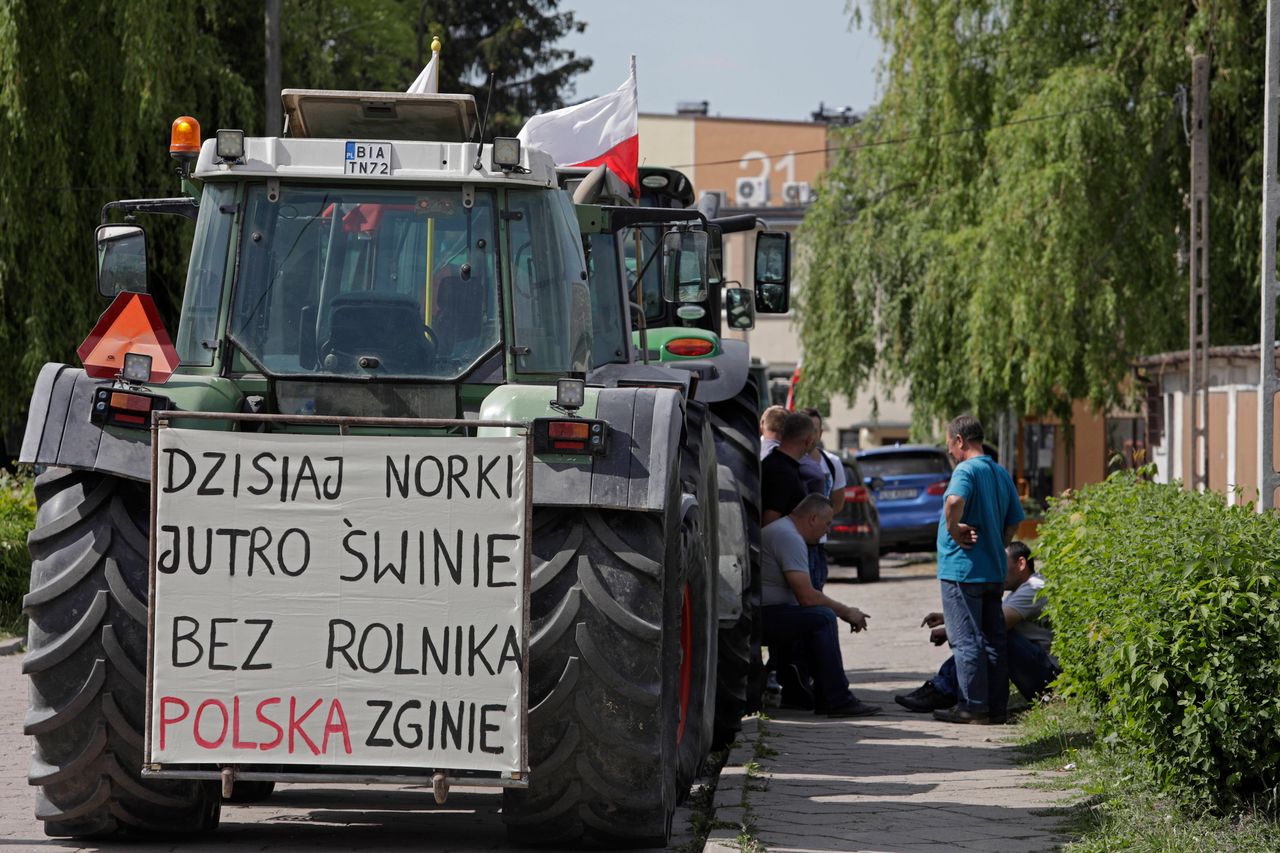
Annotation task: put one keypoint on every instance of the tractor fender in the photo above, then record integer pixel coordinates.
(644, 440)
(60, 433)
(732, 365)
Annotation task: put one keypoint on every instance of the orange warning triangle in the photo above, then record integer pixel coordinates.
(130, 324)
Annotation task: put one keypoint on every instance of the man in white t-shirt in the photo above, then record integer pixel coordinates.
(1032, 667)
(801, 624)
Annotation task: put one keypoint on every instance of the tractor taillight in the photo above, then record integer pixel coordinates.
(691, 347)
(184, 138)
(115, 407)
(570, 435)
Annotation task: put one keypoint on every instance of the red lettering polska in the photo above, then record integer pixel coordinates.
(212, 724)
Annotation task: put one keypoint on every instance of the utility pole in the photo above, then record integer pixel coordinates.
(1268, 381)
(1198, 314)
(275, 124)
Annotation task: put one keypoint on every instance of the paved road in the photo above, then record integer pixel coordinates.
(899, 782)
(312, 818)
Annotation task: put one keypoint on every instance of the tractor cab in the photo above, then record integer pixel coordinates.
(374, 243)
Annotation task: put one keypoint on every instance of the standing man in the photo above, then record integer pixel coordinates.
(823, 474)
(979, 518)
(781, 486)
(801, 624)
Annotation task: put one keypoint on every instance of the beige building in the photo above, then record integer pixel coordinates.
(1233, 418)
(773, 169)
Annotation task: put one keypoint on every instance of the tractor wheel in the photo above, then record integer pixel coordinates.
(87, 663)
(699, 479)
(740, 673)
(619, 661)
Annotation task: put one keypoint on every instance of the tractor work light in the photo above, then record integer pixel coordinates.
(137, 367)
(570, 394)
(506, 152)
(230, 145)
(184, 138)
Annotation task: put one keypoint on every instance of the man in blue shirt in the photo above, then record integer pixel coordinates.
(979, 518)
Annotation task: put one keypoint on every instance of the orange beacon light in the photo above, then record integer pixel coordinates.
(184, 138)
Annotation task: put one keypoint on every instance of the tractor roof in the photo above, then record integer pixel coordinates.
(421, 137)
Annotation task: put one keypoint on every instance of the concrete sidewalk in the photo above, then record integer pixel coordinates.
(896, 782)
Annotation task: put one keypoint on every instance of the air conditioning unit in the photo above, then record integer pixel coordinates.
(751, 192)
(796, 193)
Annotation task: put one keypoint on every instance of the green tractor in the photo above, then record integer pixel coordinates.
(372, 278)
(679, 316)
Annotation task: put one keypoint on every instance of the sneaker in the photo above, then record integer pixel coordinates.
(853, 708)
(925, 698)
(960, 715)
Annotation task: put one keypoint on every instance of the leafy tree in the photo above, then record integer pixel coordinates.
(1007, 228)
(91, 90)
(516, 41)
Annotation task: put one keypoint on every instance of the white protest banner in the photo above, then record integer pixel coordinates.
(338, 601)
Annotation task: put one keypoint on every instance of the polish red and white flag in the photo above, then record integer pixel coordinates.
(602, 130)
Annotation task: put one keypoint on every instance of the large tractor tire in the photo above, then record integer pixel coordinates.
(740, 671)
(620, 663)
(87, 661)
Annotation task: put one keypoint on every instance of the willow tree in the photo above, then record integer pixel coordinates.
(1007, 228)
(91, 89)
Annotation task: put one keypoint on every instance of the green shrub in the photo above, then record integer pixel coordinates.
(1166, 613)
(17, 517)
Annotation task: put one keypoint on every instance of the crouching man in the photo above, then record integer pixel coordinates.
(1032, 667)
(801, 624)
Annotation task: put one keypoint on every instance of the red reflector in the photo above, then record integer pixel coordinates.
(690, 346)
(569, 445)
(857, 494)
(130, 402)
(129, 419)
(938, 488)
(568, 429)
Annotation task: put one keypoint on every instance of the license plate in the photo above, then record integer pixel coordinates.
(897, 494)
(367, 158)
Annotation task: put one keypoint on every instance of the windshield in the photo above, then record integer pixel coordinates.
(359, 281)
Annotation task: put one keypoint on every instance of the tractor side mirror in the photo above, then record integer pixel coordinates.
(685, 274)
(122, 260)
(739, 308)
(773, 272)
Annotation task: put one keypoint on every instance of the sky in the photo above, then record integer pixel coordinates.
(749, 58)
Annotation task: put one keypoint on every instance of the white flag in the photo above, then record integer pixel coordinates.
(428, 82)
(602, 130)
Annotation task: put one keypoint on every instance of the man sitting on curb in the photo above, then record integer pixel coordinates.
(797, 618)
(1032, 667)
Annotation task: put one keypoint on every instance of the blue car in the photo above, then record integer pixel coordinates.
(907, 482)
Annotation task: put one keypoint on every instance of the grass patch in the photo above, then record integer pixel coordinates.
(1123, 807)
(17, 517)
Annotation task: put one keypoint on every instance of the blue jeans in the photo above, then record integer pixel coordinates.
(975, 627)
(818, 566)
(814, 633)
(1030, 669)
